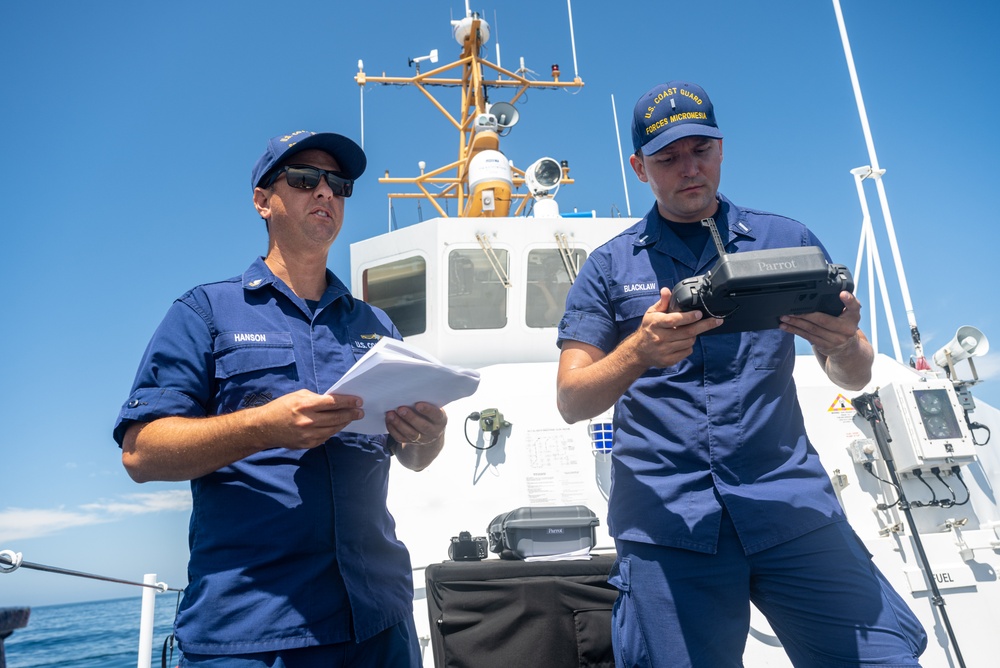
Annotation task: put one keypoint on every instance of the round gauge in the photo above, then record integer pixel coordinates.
(937, 427)
(930, 403)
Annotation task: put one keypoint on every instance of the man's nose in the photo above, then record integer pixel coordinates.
(323, 190)
(689, 165)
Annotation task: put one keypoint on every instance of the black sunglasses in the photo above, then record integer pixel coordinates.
(307, 178)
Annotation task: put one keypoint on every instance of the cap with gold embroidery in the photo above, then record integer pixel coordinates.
(669, 112)
(349, 156)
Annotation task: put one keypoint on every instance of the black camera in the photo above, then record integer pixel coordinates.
(466, 548)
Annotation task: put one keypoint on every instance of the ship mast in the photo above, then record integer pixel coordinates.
(479, 124)
(873, 171)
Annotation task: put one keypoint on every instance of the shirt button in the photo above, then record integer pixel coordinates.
(134, 403)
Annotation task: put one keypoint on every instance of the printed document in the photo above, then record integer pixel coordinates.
(394, 374)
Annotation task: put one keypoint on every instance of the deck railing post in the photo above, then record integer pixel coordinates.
(146, 622)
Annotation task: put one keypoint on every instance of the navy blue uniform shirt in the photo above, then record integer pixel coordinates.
(721, 427)
(289, 548)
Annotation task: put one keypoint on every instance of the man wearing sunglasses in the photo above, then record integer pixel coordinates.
(294, 560)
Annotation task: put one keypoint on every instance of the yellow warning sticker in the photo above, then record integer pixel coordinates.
(841, 405)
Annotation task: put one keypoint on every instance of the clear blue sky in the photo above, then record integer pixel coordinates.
(129, 131)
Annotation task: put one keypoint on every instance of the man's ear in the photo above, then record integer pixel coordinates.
(262, 202)
(639, 166)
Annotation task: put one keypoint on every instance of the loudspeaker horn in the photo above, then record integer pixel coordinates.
(967, 342)
(506, 114)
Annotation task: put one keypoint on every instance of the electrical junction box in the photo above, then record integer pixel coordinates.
(863, 450)
(927, 425)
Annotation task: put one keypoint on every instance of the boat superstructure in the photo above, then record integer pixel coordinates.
(909, 457)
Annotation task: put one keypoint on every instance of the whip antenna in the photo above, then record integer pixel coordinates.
(572, 39)
(875, 172)
(496, 31)
(361, 68)
(621, 157)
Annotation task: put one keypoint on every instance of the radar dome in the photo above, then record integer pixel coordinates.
(463, 29)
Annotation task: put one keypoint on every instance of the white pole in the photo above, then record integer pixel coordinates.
(621, 158)
(572, 39)
(884, 291)
(874, 263)
(496, 31)
(869, 232)
(146, 622)
(361, 67)
(877, 173)
(864, 242)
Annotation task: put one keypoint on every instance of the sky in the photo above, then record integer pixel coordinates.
(130, 129)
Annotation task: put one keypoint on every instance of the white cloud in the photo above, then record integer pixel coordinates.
(21, 523)
(141, 503)
(988, 367)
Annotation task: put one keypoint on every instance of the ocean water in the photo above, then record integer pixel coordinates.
(99, 634)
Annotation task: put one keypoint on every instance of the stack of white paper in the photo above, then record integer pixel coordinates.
(394, 374)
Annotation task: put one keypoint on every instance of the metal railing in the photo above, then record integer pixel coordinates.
(10, 561)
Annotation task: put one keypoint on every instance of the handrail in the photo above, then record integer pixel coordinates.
(10, 561)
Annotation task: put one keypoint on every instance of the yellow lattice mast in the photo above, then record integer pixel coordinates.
(481, 179)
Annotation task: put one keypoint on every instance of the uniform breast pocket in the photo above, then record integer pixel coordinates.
(629, 310)
(359, 351)
(250, 360)
(254, 374)
(629, 313)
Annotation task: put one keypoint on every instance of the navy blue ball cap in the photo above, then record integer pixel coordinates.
(348, 155)
(669, 112)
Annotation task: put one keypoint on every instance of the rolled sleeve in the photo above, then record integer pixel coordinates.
(588, 328)
(146, 404)
(176, 372)
(588, 318)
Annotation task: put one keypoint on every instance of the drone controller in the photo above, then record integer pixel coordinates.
(752, 290)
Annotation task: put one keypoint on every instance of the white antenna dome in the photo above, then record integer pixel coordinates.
(463, 29)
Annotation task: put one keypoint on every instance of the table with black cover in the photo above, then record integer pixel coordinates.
(510, 613)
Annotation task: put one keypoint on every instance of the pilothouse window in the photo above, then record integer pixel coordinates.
(548, 284)
(477, 298)
(400, 289)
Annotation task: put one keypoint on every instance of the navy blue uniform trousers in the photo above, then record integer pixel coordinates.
(826, 601)
(396, 647)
